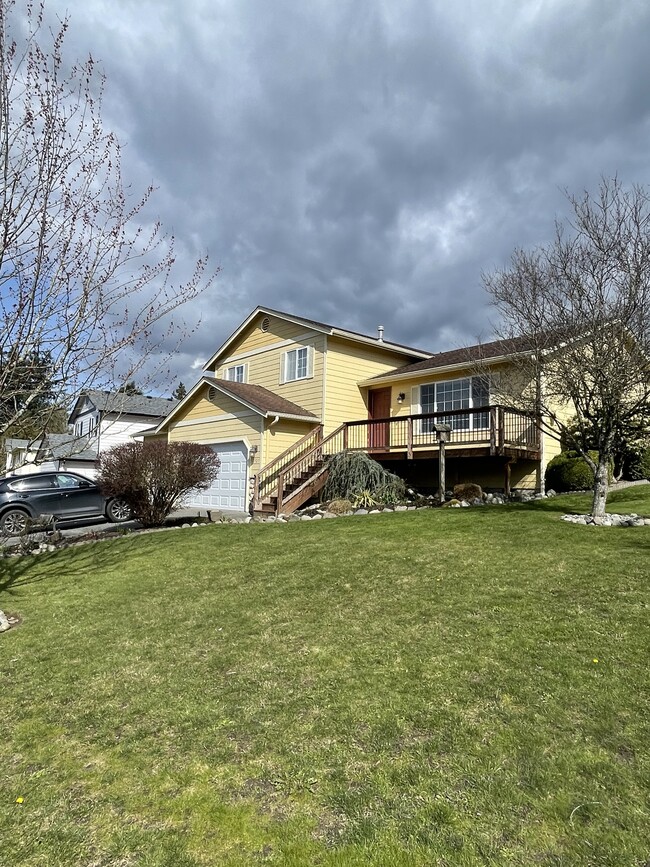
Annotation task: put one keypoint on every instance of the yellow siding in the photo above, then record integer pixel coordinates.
(209, 428)
(348, 364)
(265, 370)
(281, 436)
(200, 407)
(253, 338)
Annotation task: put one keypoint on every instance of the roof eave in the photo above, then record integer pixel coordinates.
(270, 312)
(428, 371)
(379, 344)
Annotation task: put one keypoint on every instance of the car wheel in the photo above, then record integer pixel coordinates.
(118, 510)
(14, 522)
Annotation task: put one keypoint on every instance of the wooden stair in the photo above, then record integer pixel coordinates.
(301, 487)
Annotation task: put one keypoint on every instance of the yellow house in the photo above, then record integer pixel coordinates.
(284, 392)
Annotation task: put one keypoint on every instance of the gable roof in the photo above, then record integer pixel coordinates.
(260, 398)
(56, 445)
(68, 446)
(479, 352)
(314, 325)
(255, 397)
(124, 404)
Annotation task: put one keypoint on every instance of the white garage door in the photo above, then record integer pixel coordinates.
(228, 491)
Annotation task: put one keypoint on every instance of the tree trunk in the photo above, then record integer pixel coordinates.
(601, 480)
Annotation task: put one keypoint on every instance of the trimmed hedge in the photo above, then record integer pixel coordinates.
(569, 471)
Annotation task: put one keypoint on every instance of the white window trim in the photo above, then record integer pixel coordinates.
(235, 368)
(416, 398)
(284, 365)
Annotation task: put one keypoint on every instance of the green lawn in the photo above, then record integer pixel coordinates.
(448, 687)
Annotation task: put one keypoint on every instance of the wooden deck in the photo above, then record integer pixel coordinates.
(484, 432)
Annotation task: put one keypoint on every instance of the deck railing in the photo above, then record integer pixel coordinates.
(494, 427)
(267, 478)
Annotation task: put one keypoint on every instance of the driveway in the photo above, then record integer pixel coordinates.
(76, 529)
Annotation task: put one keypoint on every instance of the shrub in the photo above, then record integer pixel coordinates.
(639, 466)
(468, 491)
(354, 473)
(339, 507)
(569, 471)
(153, 476)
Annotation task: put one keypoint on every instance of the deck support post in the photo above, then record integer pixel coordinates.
(493, 430)
(409, 438)
(506, 485)
(442, 432)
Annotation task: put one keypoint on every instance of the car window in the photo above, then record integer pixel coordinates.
(34, 483)
(65, 481)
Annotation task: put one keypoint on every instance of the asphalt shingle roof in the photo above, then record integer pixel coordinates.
(260, 398)
(466, 355)
(130, 404)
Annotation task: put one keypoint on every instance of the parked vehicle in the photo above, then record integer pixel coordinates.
(66, 496)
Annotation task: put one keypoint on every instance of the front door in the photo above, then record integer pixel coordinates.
(379, 408)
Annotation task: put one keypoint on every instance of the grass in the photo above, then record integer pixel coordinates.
(407, 689)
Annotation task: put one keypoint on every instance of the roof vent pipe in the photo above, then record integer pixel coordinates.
(380, 333)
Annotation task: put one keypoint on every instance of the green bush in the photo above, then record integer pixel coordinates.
(569, 471)
(639, 466)
(352, 474)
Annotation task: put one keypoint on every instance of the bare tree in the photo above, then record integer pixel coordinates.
(85, 281)
(582, 304)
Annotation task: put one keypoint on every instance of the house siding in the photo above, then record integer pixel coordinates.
(282, 435)
(208, 427)
(265, 368)
(348, 364)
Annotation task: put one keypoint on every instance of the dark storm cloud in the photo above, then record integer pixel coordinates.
(363, 162)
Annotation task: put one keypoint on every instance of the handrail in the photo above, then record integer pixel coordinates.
(299, 442)
(318, 447)
(265, 478)
(495, 426)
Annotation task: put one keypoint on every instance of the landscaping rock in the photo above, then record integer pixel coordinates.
(361, 512)
(613, 520)
(400, 508)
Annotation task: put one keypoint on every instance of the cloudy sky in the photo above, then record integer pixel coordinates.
(363, 161)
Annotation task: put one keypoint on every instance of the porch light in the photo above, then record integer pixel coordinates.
(400, 397)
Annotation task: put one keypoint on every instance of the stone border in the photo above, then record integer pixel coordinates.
(608, 520)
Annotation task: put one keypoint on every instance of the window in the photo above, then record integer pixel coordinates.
(35, 483)
(65, 481)
(297, 364)
(456, 394)
(236, 373)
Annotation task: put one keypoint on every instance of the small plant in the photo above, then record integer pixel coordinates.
(569, 471)
(639, 467)
(364, 500)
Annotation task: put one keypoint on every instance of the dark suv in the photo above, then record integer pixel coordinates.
(67, 496)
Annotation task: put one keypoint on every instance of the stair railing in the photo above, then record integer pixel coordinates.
(266, 480)
(320, 451)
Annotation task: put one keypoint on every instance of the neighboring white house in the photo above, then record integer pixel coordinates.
(99, 420)
(108, 418)
(53, 451)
